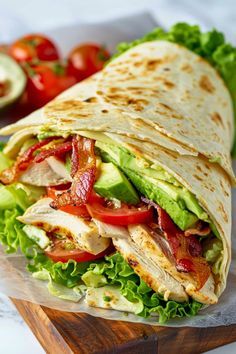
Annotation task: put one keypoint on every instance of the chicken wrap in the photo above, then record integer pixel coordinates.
(121, 186)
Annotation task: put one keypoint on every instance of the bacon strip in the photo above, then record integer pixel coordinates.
(57, 150)
(83, 172)
(74, 157)
(11, 174)
(186, 250)
(201, 229)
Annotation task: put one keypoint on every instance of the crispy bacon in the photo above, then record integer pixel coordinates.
(11, 174)
(57, 150)
(83, 172)
(74, 157)
(194, 246)
(186, 250)
(201, 229)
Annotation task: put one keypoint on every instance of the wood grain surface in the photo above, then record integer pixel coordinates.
(64, 333)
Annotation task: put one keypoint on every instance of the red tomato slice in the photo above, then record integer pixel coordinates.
(97, 209)
(59, 254)
(86, 60)
(34, 47)
(122, 216)
(80, 211)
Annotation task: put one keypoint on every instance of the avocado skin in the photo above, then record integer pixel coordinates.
(112, 183)
(183, 218)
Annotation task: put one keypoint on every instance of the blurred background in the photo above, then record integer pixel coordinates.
(18, 17)
(70, 22)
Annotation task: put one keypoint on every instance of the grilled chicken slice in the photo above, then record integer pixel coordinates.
(49, 172)
(59, 168)
(153, 274)
(84, 233)
(108, 230)
(154, 251)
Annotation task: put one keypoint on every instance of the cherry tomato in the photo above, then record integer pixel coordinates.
(33, 47)
(45, 82)
(59, 253)
(80, 211)
(119, 216)
(86, 60)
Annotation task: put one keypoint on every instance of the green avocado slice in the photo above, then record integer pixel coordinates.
(181, 217)
(112, 183)
(168, 196)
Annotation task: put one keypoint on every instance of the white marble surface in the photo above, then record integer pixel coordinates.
(15, 336)
(18, 16)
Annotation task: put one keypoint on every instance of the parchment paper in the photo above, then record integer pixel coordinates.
(16, 282)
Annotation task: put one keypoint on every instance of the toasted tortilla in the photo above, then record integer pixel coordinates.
(177, 92)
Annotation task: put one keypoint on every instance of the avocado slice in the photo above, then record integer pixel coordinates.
(156, 175)
(181, 217)
(175, 200)
(112, 183)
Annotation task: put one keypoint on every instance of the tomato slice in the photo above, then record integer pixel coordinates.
(80, 211)
(59, 253)
(97, 209)
(122, 216)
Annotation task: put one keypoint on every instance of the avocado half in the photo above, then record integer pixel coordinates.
(15, 78)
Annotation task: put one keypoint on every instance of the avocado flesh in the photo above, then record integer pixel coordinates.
(112, 183)
(181, 217)
(156, 185)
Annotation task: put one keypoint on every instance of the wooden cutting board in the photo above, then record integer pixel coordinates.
(64, 332)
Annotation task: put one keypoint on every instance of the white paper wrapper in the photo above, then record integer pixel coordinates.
(16, 282)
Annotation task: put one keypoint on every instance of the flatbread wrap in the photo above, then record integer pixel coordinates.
(122, 184)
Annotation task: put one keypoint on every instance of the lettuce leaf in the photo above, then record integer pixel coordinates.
(12, 235)
(118, 273)
(61, 291)
(67, 274)
(210, 45)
